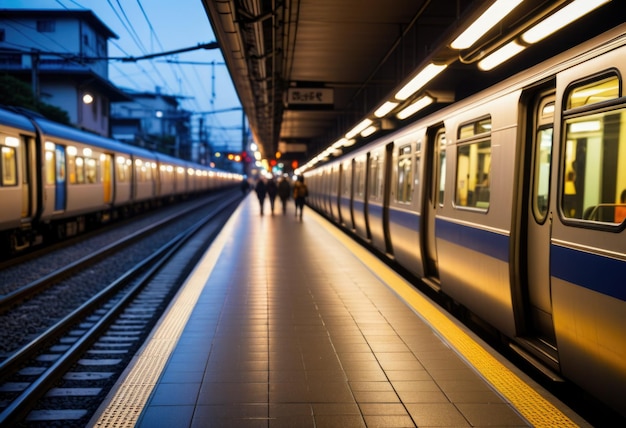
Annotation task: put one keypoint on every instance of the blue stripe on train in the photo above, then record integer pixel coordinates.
(605, 275)
(482, 241)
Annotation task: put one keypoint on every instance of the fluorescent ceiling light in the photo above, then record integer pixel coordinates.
(498, 57)
(560, 19)
(340, 143)
(589, 126)
(385, 108)
(422, 78)
(415, 107)
(484, 23)
(12, 141)
(368, 131)
(360, 127)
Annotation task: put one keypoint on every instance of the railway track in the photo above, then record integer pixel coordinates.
(15, 291)
(61, 376)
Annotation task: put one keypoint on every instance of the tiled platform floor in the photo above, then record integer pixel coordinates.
(292, 330)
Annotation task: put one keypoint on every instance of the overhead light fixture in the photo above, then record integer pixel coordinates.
(339, 143)
(484, 23)
(503, 54)
(368, 131)
(560, 19)
(385, 108)
(422, 78)
(360, 127)
(415, 107)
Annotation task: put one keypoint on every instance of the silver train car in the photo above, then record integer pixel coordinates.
(55, 179)
(512, 203)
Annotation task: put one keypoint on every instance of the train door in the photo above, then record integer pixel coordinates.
(60, 182)
(535, 323)
(434, 184)
(107, 178)
(24, 171)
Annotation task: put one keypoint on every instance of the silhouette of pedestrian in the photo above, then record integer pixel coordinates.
(245, 186)
(284, 192)
(272, 190)
(260, 190)
(300, 192)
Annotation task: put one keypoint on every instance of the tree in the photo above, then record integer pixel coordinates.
(14, 92)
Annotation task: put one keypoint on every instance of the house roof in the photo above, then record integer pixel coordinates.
(84, 15)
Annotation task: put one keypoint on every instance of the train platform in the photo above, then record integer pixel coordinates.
(287, 322)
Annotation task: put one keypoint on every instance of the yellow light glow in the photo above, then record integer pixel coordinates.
(422, 78)
(368, 131)
(560, 19)
(484, 23)
(383, 110)
(11, 141)
(503, 54)
(360, 127)
(415, 107)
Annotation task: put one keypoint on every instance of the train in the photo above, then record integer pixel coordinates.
(56, 181)
(511, 204)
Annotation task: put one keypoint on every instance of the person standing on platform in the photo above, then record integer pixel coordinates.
(284, 191)
(272, 190)
(261, 190)
(245, 186)
(300, 192)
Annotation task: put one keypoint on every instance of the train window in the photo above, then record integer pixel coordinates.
(345, 179)
(441, 166)
(543, 161)
(475, 128)
(594, 92)
(418, 158)
(9, 166)
(594, 185)
(359, 177)
(472, 174)
(122, 169)
(50, 164)
(376, 175)
(91, 170)
(80, 170)
(405, 174)
(542, 158)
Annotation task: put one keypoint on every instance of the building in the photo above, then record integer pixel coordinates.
(63, 54)
(154, 121)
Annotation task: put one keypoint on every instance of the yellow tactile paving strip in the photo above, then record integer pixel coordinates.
(529, 403)
(127, 402)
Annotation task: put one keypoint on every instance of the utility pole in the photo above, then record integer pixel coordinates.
(34, 60)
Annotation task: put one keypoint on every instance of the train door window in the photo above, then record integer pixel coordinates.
(359, 177)
(593, 184)
(440, 144)
(418, 159)
(473, 165)
(345, 178)
(140, 170)
(376, 175)
(543, 159)
(405, 174)
(50, 163)
(8, 167)
(91, 170)
(122, 168)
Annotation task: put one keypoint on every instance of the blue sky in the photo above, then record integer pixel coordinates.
(164, 25)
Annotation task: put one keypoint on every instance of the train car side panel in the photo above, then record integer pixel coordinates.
(472, 228)
(588, 250)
